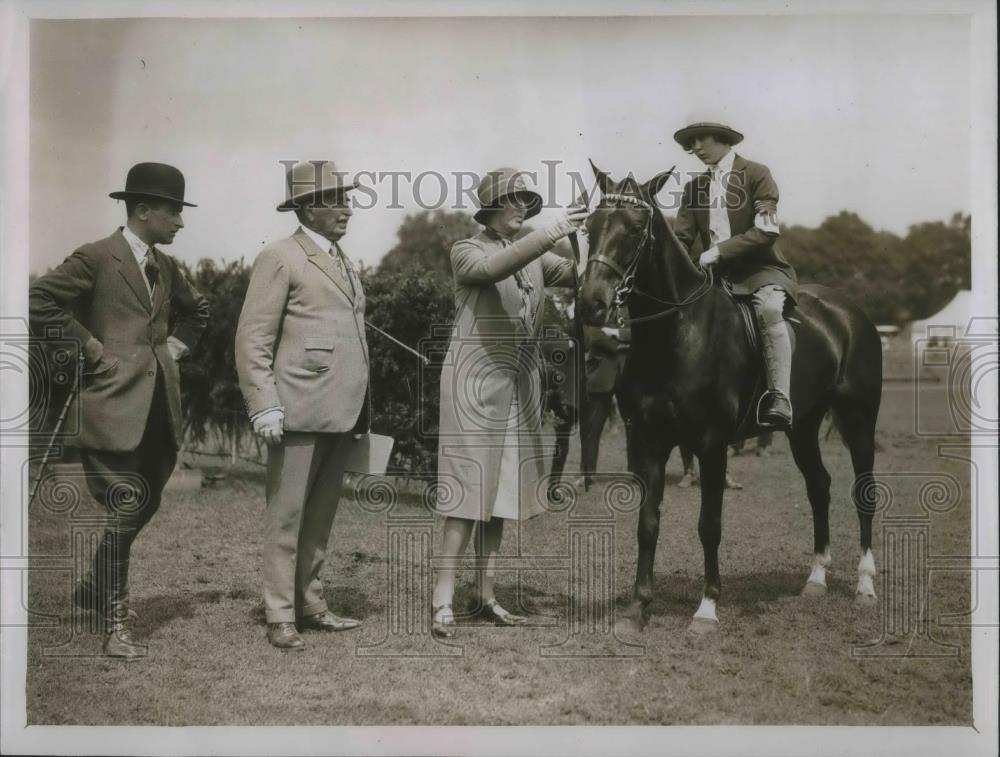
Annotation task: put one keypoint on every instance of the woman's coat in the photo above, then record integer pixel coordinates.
(495, 348)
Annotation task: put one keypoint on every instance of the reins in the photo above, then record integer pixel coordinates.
(673, 307)
(627, 275)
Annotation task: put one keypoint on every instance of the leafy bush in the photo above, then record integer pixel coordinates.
(408, 303)
(210, 391)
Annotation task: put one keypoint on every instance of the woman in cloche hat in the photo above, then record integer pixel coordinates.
(490, 459)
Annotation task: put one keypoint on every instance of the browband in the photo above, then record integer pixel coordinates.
(627, 199)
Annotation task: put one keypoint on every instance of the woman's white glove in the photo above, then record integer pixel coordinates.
(571, 221)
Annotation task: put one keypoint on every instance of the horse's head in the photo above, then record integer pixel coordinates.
(618, 230)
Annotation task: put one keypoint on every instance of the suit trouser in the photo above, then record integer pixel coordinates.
(130, 485)
(304, 479)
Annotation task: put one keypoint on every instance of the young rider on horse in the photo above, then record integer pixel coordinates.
(732, 210)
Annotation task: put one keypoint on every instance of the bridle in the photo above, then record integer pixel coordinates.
(626, 275)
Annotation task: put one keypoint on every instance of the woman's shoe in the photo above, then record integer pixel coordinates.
(443, 624)
(494, 612)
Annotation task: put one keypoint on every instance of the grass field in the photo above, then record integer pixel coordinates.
(778, 658)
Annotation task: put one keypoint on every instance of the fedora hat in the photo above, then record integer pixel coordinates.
(153, 180)
(305, 180)
(505, 182)
(706, 124)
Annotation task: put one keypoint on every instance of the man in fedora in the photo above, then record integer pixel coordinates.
(731, 209)
(135, 315)
(302, 361)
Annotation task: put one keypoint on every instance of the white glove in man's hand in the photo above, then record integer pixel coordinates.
(269, 425)
(177, 348)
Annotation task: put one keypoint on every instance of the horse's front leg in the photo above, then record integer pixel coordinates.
(650, 470)
(713, 486)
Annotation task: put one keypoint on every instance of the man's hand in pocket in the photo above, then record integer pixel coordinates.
(93, 351)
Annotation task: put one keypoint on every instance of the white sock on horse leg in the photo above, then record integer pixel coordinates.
(821, 564)
(866, 574)
(706, 610)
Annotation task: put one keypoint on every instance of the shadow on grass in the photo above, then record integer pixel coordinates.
(157, 611)
(749, 594)
(346, 601)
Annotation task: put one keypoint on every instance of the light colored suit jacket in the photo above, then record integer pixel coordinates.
(492, 351)
(103, 285)
(300, 342)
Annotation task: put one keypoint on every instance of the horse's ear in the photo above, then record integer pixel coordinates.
(603, 180)
(652, 187)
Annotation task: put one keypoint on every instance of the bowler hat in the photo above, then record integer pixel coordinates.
(505, 182)
(305, 180)
(153, 180)
(706, 124)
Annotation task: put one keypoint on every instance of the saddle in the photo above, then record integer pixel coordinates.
(756, 385)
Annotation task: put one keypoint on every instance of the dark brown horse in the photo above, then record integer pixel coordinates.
(691, 377)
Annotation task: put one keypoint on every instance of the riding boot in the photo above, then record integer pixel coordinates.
(775, 408)
(118, 641)
(92, 592)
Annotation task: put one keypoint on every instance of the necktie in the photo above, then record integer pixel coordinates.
(717, 212)
(152, 269)
(342, 266)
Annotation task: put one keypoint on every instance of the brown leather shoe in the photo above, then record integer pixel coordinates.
(119, 643)
(284, 636)
(327, 621)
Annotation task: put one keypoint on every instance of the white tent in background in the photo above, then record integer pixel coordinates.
(947, 325)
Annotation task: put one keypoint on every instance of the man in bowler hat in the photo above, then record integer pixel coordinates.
(135, 315)
(302, 361)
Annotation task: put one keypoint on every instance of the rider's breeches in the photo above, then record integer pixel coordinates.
(769, 306)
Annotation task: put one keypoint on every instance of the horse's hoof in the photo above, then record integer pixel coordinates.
(630, 619)
(812, 589)
(865, 600)
(628, 626)
(703, 626)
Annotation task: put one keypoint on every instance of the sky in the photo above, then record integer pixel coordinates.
(866, 114)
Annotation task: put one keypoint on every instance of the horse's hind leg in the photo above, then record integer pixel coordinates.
(856, 422)
(804, 441)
